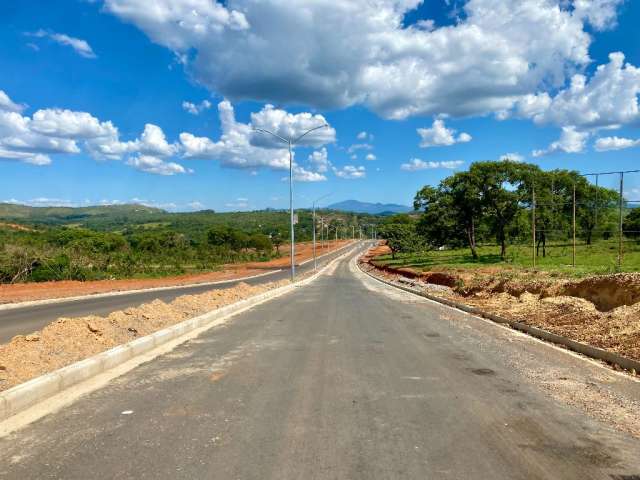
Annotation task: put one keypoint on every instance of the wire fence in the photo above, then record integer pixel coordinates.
(592, 227)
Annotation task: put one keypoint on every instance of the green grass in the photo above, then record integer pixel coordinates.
(598, 258)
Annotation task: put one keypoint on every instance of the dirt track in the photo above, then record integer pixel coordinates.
(36, 291)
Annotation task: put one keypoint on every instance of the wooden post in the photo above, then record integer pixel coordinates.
(533, 225)
(620, 221)
(574, 224)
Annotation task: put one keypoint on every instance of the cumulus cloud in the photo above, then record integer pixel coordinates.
(301, 174)
(601, 14)
(240, 146)
(196, 108)
(604, 144)
(570, 141)
(81, 47)
(350, 172)
(8, 105)
(319, 159)
(363, 53)
(156, 165)
(61, 131)
(416, 164)
(359, 146)
(440, 136)
(370, 157)
(607, 100)
(290, 126)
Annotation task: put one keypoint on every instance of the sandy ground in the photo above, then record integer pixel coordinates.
(21, 292)
(603, 310)
(68, 340)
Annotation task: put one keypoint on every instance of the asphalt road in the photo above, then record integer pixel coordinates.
(340, 379)
(24, 320)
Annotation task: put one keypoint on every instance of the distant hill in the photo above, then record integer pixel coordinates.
(370, 208)
(88, 216)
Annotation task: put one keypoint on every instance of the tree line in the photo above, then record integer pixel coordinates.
(493, 202)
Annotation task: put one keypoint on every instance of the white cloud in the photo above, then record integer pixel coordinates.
(69, 124)
(8, 105)
(196, 109)
(239, 147)
(301, 174)
(512, 157)
(81, 47)
(60, 131)
(601, 14)
(359, 146)
(439, 135)
(415, 164)
(363, 53)
(571, 141)
(158, 166)
(319, 159)
(154, 142)
(370, 157)
(365, 136)
(290, 126)
(196, 205)
(606, 100)
(604, 144)
(350, 172)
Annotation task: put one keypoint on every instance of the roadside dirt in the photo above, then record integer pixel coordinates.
(603, 310)
(21, 292)
(68, 340)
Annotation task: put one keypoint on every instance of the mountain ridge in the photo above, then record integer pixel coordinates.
(378, 208)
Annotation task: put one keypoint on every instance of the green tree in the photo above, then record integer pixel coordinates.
(400, 237)
(631, 225)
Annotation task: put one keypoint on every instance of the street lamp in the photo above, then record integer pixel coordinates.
(315, 262)
(291, 143)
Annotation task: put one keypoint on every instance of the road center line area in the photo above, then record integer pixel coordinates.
(345, 378)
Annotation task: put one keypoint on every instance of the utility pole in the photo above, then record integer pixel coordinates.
(290, 144)
(315, 257)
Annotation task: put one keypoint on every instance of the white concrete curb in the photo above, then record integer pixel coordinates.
(27, 394)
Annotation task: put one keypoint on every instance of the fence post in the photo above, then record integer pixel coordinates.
(533, 225)
(620, 221)
(574, 225)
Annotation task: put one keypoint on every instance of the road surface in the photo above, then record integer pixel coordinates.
(341, 379)
(24, 320)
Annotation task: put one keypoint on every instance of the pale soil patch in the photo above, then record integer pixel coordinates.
(21, 292)
(68, 340)
(603, 310)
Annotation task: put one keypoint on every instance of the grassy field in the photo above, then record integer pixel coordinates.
(598, 258)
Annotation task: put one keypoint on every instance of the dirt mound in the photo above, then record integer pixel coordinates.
(68, 340)
(607, 292)
(441, 278)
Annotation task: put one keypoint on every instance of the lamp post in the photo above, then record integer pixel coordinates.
(315, 258)
(291, 143)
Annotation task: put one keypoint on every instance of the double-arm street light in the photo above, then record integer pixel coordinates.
(291, 142)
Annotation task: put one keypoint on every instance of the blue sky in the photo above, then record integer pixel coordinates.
(80, 80)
